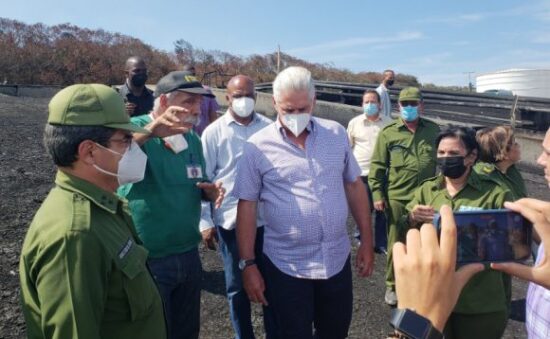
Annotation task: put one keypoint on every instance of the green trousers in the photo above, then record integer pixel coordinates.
(395, 210)
(474, 326)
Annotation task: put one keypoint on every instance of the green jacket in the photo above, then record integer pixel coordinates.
(402, 160)
(485, 292)
(511, 180)
(83, 270)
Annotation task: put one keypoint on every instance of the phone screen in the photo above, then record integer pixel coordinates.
(491, 236)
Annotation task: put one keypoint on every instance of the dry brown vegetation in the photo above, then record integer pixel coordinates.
(65, 54)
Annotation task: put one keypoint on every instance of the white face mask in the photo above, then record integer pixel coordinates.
(296, 123)
(243, 106)
(131, 166)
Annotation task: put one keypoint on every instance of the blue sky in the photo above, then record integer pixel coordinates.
(437, 41)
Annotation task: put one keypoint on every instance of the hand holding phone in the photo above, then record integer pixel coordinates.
(489, 236)
(538, 212)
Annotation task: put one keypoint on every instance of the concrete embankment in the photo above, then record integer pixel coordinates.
(529, 141)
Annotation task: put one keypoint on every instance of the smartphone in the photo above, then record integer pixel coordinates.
(487, 236)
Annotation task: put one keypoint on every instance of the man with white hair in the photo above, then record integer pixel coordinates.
(166, 204)
(302, 170)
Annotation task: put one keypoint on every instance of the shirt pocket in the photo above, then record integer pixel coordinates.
(397, 156)
(426, 154)
(138, 284)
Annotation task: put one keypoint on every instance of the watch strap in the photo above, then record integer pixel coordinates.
(428, 332)
(245, 263)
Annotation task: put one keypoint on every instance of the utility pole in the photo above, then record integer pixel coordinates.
(470, 85)
(278, 58)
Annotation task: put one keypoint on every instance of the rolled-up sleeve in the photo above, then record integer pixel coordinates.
(248, 182)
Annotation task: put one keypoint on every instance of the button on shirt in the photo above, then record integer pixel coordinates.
(303, 196)
(537, 318)
(222, 144)
(362, 134)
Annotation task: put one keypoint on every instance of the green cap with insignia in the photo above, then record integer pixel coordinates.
(410, 94)
(90, 105)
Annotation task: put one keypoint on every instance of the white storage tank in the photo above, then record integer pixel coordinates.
(522, 82)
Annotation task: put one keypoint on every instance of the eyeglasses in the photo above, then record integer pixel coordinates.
(409, 103)
(127, 141)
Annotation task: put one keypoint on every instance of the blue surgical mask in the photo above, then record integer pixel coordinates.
(409, 113)
(370, 109)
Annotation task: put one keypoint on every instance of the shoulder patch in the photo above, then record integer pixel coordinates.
(487, 169)
(125, 248)
(81, 213)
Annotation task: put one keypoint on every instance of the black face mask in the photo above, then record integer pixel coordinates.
(138, 80)
(452, 167)
(389, 83)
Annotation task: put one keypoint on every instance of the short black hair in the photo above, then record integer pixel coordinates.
(62, 141)
(466, 135)
(373, 92)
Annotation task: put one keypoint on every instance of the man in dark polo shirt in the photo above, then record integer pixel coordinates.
(137, 97)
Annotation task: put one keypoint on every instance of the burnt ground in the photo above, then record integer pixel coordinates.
(26, 175)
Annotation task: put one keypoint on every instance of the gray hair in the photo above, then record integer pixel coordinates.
(156, 104)
(62, 141)
(293, 78)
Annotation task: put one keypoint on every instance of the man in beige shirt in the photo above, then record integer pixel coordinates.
(363, 131)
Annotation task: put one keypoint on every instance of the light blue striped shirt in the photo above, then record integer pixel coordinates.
(303, 196)
(222, 143)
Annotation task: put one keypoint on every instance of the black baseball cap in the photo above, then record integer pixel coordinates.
(180, 81)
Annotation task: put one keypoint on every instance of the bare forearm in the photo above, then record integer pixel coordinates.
(140, 139)
(246, 228)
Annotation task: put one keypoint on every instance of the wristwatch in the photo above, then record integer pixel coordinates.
(245, 263)
(413, 325)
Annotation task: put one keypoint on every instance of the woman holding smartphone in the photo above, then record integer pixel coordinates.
(481, 311)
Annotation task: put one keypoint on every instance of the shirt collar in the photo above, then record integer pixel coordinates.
(473, 181)
(401, 124)
(127, 90)
(230, 119)
(372, 121)
(106, 200)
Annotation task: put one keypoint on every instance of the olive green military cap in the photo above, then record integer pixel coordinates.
(90, 105)
(410, 94)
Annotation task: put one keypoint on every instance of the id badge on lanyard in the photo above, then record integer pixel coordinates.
(194, 170)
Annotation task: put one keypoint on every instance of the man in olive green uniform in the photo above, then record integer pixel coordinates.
(483, 299)
(83, 269)
(403, 157)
